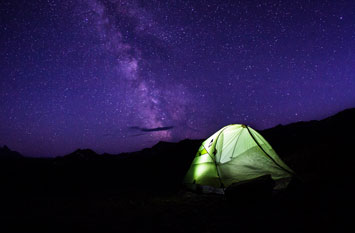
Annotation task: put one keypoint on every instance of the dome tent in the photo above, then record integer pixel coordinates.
(236, 153)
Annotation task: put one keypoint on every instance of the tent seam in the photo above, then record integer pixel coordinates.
(268, 154)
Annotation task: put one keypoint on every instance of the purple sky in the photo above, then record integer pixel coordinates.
(103, 74)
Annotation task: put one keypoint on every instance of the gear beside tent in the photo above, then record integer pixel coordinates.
(235, 154)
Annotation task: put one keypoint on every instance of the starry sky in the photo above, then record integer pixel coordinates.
(121, 75)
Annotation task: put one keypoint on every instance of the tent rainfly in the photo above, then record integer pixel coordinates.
(236, 153)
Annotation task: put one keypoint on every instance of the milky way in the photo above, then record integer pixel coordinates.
(117, 75)
(124, 29)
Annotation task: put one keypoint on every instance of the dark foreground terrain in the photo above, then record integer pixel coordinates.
(142, 192)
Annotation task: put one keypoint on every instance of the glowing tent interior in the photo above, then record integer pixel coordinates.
(236, 153)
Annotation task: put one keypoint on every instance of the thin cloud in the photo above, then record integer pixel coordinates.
(152, 129)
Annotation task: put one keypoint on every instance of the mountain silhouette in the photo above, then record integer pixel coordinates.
(305, 146)
(83, 154)
(111, 193)
(6, 153)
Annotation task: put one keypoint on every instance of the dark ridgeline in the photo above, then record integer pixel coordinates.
(319, 151)
(160, 168)
(6, 153)
(146, 184)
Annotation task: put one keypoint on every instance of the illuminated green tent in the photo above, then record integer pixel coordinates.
(236, 153)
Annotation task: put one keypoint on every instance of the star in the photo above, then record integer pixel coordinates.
(79, 74)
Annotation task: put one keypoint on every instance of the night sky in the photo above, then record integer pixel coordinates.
(117, 75)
